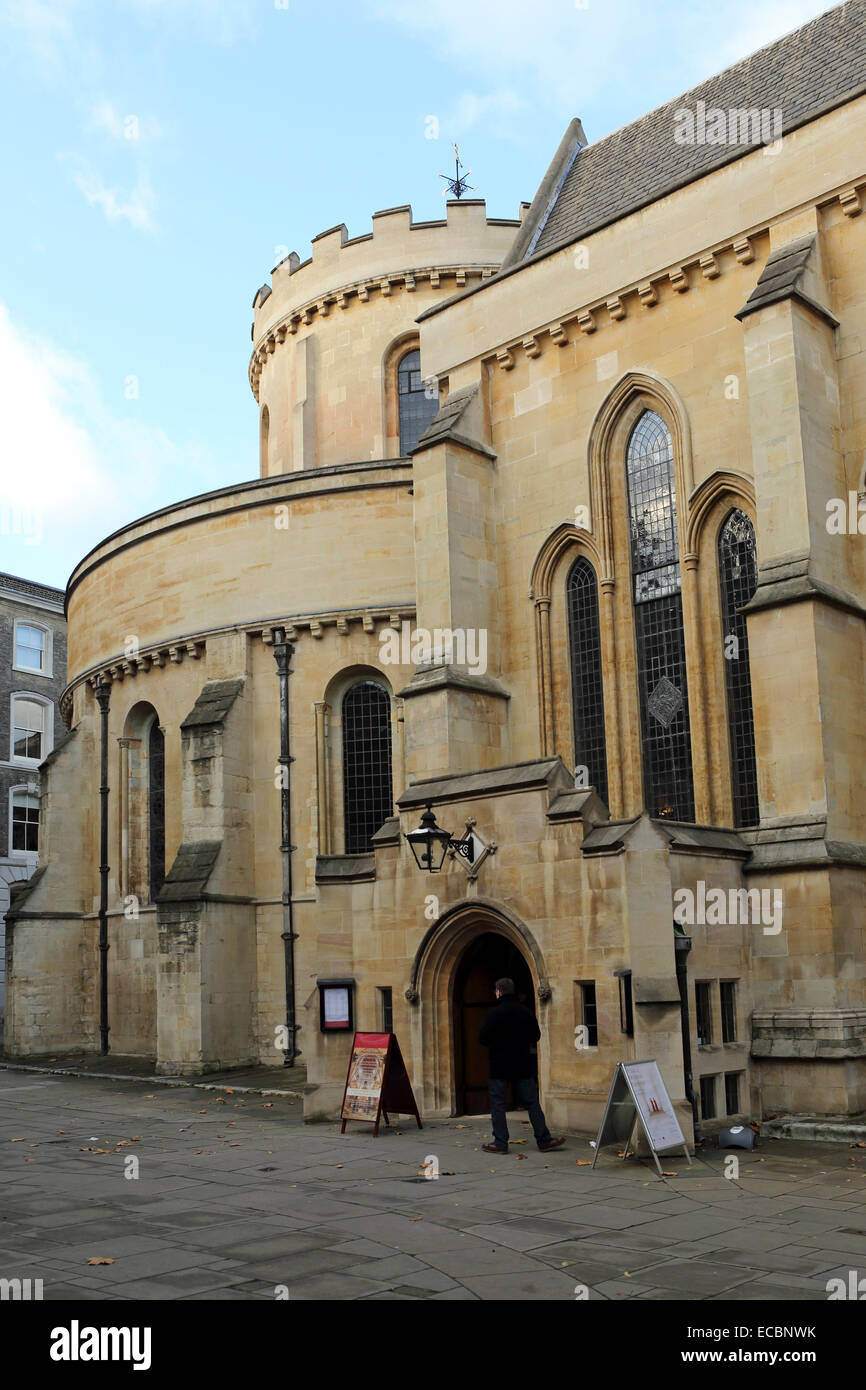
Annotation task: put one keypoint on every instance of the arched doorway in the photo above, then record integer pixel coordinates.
(487, 958)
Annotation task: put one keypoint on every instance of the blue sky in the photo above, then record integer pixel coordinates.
(159, 156)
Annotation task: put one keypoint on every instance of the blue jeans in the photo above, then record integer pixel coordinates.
(526, 1091)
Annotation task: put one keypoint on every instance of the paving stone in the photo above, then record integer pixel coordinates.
(696, 1276)
(549, 1285)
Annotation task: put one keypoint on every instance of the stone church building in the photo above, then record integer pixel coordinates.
(560, 530)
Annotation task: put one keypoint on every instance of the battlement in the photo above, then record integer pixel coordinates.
(466, 238)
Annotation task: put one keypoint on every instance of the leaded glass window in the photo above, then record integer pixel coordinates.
(156, 807)
(738, 575)
(587, 697)
(661, 653)
(416, 409)
(368, 798)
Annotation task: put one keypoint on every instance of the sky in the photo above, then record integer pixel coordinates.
(159, 157)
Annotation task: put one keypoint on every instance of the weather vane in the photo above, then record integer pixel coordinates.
(458, 185)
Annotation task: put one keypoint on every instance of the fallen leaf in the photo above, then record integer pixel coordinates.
(587, 1163)
(563, 1264)
(626, 1273)
(461, 1126)
(61, 1131)
(17, 1141)
(100, 1260)
(417, 1218)
(448, 1173)
(521, 1155)
(667, 1174)
(229, 1091)
(268, 1105)
(199, 1151)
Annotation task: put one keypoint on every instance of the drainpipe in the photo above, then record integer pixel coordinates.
(102, 691)
(283, 653)
(682, 946)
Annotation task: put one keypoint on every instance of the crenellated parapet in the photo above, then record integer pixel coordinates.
(391, 274)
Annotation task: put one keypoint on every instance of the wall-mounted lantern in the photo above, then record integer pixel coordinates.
(429, 844)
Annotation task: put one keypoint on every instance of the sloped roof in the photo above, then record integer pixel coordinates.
(803, 74)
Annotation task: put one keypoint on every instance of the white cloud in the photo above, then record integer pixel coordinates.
(136, 207)
(43, 27)
(498, 111)
(563, 57)
(106, 119)
(73, 469)
(215, 21)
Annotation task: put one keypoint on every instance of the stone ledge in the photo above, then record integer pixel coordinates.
(788, 580)
(388, 834)
(345, 868)
(464, 786)
(213, 703)
(829, 1034)
(445, 677)
(188, 876)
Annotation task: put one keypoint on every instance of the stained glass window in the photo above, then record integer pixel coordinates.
(587, 696)
(738, 575)
(661, 654)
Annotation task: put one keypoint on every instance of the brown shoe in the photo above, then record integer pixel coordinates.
(493, 1149)
(554, 1144)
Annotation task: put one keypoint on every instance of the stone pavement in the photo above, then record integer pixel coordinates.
(236, 1197)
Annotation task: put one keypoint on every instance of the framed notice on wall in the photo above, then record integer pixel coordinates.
(377, 1082)
(638, 1093)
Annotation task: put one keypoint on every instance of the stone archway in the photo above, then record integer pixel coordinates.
(431, 990)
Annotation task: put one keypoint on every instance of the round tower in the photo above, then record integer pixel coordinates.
(331, 366)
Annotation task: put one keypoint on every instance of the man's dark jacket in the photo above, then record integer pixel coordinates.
(509, 1030)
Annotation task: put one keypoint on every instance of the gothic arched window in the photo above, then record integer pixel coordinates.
(416, 409)
(368, 798)
(156, 807)
(587, 696)
(658, 616)
(738, 575)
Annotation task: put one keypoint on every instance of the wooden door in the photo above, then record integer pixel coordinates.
(487, 959)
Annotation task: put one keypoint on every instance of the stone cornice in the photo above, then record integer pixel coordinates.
(642, 296)
(359, 291)
(192, 646)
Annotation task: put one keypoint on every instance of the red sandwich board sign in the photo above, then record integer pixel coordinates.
(377, 1082)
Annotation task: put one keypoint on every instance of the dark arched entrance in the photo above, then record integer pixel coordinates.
(486, 959)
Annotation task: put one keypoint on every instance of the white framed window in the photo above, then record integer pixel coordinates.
(32, 648)
(23, 821)
(32, 728)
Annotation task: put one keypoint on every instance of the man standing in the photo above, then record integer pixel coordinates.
(509, 1031)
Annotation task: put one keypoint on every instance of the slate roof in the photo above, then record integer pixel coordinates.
(803, 74)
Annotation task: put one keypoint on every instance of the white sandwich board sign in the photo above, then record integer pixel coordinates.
(638, 1093)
